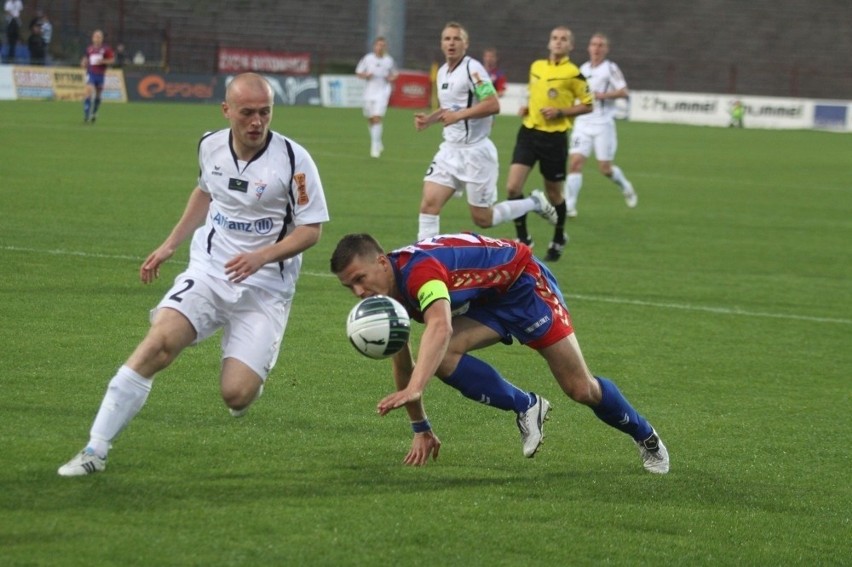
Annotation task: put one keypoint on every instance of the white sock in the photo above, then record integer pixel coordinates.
(618, 177)
(512, 209)
(376, 134)
(429, 226)
(572, 190)
(125, 396)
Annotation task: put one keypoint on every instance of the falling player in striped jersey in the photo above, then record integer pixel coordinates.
(466, 161)
(471, 292)
(258, 205)
(595, 132)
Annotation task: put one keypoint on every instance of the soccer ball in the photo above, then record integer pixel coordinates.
(378, 326)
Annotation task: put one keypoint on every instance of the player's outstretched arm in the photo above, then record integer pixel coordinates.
(193, 216)
(433, 348)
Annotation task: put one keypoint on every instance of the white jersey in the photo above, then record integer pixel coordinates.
(456, 90)
(255, 204)
(603, 78)
(381, 69)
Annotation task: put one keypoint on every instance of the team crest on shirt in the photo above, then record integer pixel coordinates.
(301, 189)
(259, 188)
(552, 93)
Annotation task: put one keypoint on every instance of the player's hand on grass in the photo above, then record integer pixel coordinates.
(422, 446)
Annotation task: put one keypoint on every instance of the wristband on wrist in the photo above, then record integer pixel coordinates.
(421, 426)
(560, 114)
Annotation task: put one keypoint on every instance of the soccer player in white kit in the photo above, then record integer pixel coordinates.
(258, 205)
(378, 69)
(467, 158)
(595, 132)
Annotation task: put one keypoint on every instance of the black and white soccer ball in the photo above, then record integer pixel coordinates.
(378, 326)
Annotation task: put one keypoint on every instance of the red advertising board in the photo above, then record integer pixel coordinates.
(412, 89)
(235, 60)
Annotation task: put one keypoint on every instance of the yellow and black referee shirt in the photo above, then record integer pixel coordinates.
(554, 84)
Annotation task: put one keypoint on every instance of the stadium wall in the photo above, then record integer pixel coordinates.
(760, 48)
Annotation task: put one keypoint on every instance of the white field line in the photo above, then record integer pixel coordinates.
(583, 297)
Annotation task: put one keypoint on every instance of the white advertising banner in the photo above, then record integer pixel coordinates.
(7, 83)
(342, 91)
(715, 110)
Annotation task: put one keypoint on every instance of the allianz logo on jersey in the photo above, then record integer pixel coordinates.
(260, 226)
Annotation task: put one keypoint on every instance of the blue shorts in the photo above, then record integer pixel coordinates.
(95, 79)
(533, 311)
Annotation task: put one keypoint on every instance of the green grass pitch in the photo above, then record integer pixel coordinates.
(722, 306)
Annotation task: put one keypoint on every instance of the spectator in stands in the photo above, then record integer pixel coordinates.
(46, 32)
(46, 27)
(595, 132)
(37, 45)
(498, 77)
(558, 93)
(98, 57)
(379, 70)
(120, 56)
(13, 9)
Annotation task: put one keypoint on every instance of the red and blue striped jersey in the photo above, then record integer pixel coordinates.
(473, 267)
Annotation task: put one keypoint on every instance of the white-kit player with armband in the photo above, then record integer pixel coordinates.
(466, 161)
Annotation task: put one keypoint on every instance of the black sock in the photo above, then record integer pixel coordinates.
(520, 222)
(559, 229)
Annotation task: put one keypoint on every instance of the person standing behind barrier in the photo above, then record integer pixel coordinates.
(491, 63)
(98, 57)
(466, 160)
(557, 93)
(378, 69)
(37, 45)
(13, 9)
(595, 132)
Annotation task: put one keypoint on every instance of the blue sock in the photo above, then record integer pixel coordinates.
(87, 105)
(97, 105)
(481, 382)
(616, 411)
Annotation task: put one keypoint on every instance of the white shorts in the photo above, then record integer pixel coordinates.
(600, 138)
(473, 169)
(252, 319)
(375, 106)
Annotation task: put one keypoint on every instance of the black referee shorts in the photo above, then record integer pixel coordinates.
(550, 149)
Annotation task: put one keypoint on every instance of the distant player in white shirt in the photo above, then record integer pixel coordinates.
(258, 205)
(595, 132)
(467, 159)
(379, 71)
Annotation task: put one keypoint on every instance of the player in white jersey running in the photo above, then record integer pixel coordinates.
(467, 159)
(378, 69)
(258, 205)
(595, 132)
